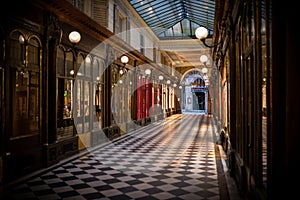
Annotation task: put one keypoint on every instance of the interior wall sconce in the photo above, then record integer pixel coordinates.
(124, 60)
(202, 33)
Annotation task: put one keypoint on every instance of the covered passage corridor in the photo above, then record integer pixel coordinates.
(174, 158)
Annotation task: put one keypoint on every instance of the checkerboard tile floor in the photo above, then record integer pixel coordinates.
(171, 159)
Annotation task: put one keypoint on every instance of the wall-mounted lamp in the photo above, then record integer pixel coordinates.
(204, 70)
(148, 71)
(203, 59)
(74, 37)
(21, 39)
(201, 33)
(124, 60)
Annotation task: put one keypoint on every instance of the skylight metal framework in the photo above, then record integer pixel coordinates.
(176, 18)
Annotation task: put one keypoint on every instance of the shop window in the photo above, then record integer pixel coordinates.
(24, 65)
(88, 94)
(65, 89)
(97, 90)
(65, 101)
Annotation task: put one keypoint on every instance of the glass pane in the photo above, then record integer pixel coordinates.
(169, 32)
(161, 15)
(25, 102)
(20, 103)
(60, 68)
(64, 107)
(33, 53)
(69, 64)
(34, 101)
(68, 101)
(86, 106)
(95, 73)
(194, 27)
(80, 66)
(88, 61)
(186, 27)
(60, 101)
(79, 106)
(101, 73)
(122, 103)
(177, 30)
(97, 103)
(17, 50)
(78, 100)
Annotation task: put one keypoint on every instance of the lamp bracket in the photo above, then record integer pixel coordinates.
(210, 46)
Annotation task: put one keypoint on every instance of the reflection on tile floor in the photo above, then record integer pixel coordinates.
(171, 159)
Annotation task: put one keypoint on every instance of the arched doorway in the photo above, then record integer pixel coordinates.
(195, 92)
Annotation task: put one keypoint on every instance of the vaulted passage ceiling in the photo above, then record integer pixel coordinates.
(171, 19)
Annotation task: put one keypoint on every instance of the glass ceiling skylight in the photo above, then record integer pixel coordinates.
(176, 18)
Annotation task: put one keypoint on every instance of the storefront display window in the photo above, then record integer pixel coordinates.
(25, 82)
(88, 95)
(65, 86)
